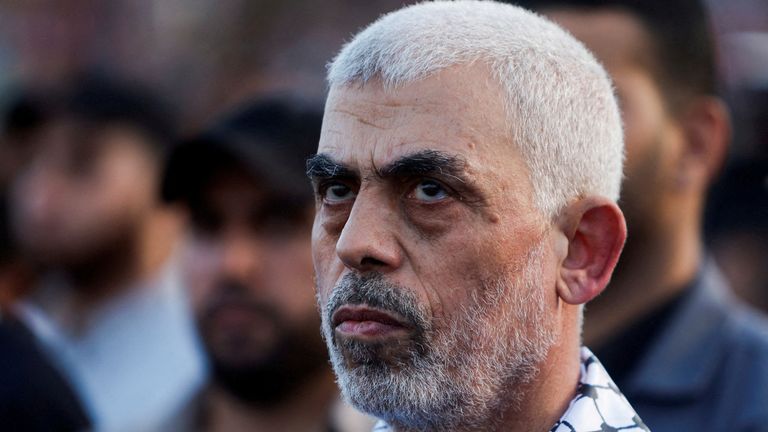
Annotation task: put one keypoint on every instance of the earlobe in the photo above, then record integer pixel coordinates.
(596, 231)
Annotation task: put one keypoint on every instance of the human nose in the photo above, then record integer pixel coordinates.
(368, 241)
(241, 257)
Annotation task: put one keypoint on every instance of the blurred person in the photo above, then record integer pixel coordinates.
(108, 308)
(466, 178)
(21, 117)
(738, 229)
(34, 396)
(248, 266)
(683, 350)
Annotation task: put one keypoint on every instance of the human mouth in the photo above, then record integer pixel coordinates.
(367, 323)
(234, 316)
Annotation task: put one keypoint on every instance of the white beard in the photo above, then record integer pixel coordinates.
(460, 377)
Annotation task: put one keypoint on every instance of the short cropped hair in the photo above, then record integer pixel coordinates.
(682, 57)
(561, 109)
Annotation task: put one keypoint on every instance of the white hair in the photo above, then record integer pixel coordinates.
(559, 100)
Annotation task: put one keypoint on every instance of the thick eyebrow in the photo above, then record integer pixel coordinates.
(322, 166)
(424, 163)
(421, 163)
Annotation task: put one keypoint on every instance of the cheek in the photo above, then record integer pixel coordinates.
(128, 185)
(446, 272)
(290, 277)
(643, 115)
(116, 196)
(467, 261)
(199, 264)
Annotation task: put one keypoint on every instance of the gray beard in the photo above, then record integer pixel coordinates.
(462, 377)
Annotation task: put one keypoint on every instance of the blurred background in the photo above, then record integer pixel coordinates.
(204, 54)
(204, 57)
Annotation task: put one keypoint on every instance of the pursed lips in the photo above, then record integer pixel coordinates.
(365, 322)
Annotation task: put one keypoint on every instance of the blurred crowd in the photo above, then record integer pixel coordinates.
(155, 215)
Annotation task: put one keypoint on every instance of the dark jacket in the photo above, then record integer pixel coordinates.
(33, 395)
(708, 370)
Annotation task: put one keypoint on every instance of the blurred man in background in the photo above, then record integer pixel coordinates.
(84, 209)
(686, 354)
(248, 265)
(34, 396)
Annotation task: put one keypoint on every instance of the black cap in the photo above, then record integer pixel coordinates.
(270, 139)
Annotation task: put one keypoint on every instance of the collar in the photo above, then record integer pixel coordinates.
(683, 361)
(597, 406)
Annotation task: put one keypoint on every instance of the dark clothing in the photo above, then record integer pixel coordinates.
(702, 363)
(622, 353)
(33, 395)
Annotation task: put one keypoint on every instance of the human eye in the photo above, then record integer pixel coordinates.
(337, 193)
(429, 191)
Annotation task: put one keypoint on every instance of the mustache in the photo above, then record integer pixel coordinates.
(374, 290)
(230, 293)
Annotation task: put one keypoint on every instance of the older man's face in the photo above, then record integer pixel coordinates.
(435, 272)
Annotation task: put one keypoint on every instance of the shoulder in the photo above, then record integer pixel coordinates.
(746, 334)
(33, 394)
(744, 368)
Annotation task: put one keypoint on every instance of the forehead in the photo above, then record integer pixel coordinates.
(458, 110)
(227, 189)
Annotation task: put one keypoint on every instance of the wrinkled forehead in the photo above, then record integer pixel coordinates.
(457, 111)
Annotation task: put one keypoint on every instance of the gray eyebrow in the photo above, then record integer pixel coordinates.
(322, 166)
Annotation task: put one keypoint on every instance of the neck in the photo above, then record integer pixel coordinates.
(313, 401)
(655, 268)
(550, 392)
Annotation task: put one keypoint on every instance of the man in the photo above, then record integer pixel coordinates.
(248, 265)
(108, 310)
(684, 352)
(466, 179)
(33, 394)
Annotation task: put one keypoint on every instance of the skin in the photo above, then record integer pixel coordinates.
(84, 207)
(270, 258)
(672, 156)
(441, 233)
(273, 262)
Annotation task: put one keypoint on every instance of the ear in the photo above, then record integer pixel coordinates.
(707, 128)
(595, 230)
